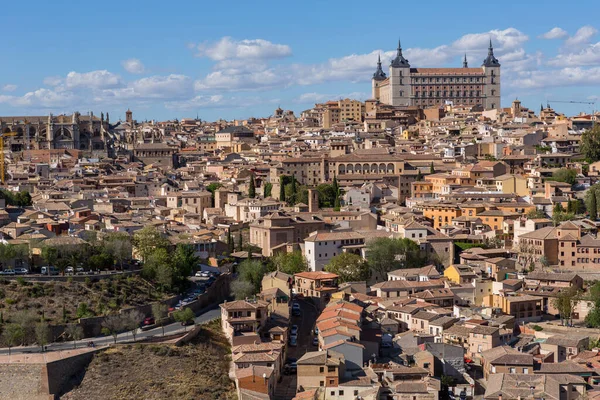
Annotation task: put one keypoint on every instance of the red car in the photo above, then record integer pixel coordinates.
(148, 321)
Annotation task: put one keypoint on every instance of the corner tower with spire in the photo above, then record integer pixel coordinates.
(491, 70)
(400, 79)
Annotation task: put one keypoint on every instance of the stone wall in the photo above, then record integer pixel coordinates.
(59, 373)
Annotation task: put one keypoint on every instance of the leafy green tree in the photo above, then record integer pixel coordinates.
(185, 316)
(212, 188)
(565, 302)
(350, 267)
(558, 208)
(155, 260)
(7, 253)
(132, 321)
(290, 263)
(242, 289)
(185, 259)
(561, 216)
(74, 332)
(267, 189)
(62, 264)
(252, 188)
(590, 144)
(12, 335)
(49, 255)
(160, 311)
(326, 195)
(567, 175)
(252, 271)
(536, 214)
(83, 311)
(593, 317)
(148, 239)
(386, 254)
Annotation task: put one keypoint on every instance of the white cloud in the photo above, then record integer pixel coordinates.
(9, 88)
(41, 98)
(589, 55)
(582, 36)
(218, 101)
(100, 79)
(168, 87)
(232, 73)
(133, 66)
(252, 49)
(53, 81)
(569, 76)
(554, 33)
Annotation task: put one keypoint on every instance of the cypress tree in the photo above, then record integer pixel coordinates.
(252, 188)
(419, 176)
(282, 188)
(431, 168)
(240, 241)
(593, 207)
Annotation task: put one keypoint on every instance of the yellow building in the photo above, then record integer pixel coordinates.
(441, 214)
(459, 274)
(512, 184)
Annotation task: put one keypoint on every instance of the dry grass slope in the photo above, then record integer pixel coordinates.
(195, 371)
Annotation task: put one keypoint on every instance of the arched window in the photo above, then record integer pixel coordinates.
(342, 169)
(358, 168)
(390, 168)
(382, 168)
(373, 168)
(350, 169)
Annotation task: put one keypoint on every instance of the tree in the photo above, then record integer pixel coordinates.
(49, 255)
(326, 195)
(282, 182)
(290, 263)
(565, 303)
(593, 317)
(558, 217)
(160, 312)
(385, 255)
(74, 332)
(252, 271)
(27, 321)
(567, 175)
(132, 321)
(12, 335)
(419, 177)
(185, 260)
(240, 245)
(83, 311)
(7, 253)
(148, 239)
(536, 214)
(350, 267)
(591, 200)
(185, 316)
(155, 260)
(252, 188)
(119, 246)
(230, 244)
(431, 168)
(544, 262)
(62, 264)
(212, 188)
(590, 144)
(42, 334)
(242, 289)
(112, 325)
(558, 208)
(267, 189)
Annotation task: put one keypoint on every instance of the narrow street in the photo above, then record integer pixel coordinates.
(286, 389)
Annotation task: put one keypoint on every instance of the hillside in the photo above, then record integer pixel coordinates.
(195, 371)
(59, 301)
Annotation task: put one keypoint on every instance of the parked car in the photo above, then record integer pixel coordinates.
(49, 270)
(7, 272)
(386, 345)
(294, 330)
(316, 330)
(69, 270)
(21, 271)
(296, 309)
(315, 341)
(198, 274)
(148, 321)
(291, 366)
(293, 340)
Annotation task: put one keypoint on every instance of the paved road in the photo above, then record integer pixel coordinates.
(286, 389)
(213, 313)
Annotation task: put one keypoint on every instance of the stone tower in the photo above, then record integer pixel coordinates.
(129, 116)
(313, 200)
(400, 79)
(378, 76)
(491, 68)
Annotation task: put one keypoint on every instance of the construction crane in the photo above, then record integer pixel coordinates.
(591, 103)
(2, 136)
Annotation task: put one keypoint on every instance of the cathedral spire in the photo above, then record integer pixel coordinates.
(400, 61)
(379, 75)
(491, 61)
(465, 64)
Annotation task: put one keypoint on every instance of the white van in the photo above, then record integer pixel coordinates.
(49, 271)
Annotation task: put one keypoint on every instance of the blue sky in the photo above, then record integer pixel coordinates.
(239, 59)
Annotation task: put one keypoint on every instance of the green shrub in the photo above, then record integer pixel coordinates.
(21, 281)
(88, 282)
(537, 328)
(10, 302)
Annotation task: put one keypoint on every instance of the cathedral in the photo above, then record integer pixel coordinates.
(76, 131)
(428, 87)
